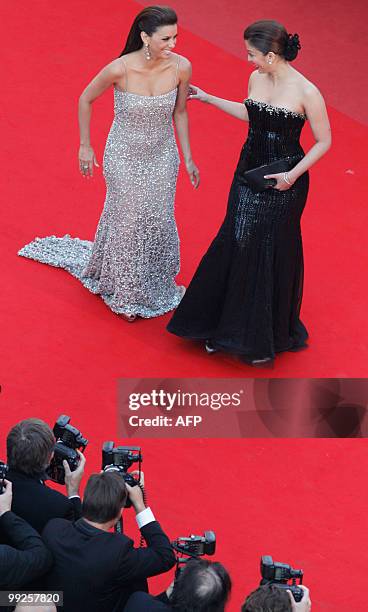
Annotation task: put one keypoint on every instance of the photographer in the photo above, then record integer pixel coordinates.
(26, 558)
(30, 446)
(98, 570)
(270, 598)
(201, 586)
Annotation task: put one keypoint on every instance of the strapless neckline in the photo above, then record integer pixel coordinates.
(281, 109)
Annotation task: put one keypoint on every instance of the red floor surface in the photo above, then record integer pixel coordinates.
(62, 349)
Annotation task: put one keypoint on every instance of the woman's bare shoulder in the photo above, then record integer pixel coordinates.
(116, 67)
(131, 60)
(184, 67)
(130, 55)
(307, 88)
(254, 76)
(255, 79)
(184, 63)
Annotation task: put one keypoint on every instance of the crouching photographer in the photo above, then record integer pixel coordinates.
(31, 445)
(199, 585)
(98, 569)
(269, 598)
(26, 557)
(281, 589)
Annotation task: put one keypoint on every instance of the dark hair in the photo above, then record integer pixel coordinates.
(29, 446)
(268, 35)
(148, 21)
(201, 586)
(104, 497)
(267, 598)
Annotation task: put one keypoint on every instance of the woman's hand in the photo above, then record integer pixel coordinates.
(281, 183)
(193, 173)
(87, 160)
(195, 93)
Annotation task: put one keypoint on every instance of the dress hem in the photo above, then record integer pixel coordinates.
(136, 310)
(294, 347)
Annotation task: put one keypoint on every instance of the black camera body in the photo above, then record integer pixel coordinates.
(279, 574)
(68, 440)
(196, 546)
(193, 547)
(3, 473)
(119, 459)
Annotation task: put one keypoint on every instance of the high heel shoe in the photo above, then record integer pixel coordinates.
(209, 347)
(260, 363)
(130, 318)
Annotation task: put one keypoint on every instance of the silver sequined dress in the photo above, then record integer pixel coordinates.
(134, 258)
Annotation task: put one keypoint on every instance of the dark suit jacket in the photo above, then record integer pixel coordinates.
(26, 559)
(140, 602)
(37, 504)
(98, 570)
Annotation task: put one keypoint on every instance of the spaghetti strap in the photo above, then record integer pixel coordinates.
(126, 75)
(176, 72)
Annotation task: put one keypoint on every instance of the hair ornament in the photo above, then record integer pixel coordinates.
(292, 46)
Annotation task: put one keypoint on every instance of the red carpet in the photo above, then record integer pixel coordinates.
(62, 349)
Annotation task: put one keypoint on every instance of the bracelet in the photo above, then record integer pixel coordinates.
(286, 178)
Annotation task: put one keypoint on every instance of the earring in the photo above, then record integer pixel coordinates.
(147, 52)
(270, 61)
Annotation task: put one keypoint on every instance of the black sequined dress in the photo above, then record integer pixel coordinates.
(246, 293)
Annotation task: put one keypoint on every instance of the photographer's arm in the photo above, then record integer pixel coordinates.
(158, 557)
(74, 479)
(305, 604)
(27, 557)
(72, 482)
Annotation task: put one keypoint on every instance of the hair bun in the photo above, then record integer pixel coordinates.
(293, 46)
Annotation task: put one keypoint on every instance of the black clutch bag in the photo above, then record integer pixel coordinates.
(255, 178)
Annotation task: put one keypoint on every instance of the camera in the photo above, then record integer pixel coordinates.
(279, 574)
(68, 440)
(193, 546)
(119, 459)
(3, 472)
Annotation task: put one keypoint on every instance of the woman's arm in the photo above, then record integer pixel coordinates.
(316, 112)
(102, 81)
(236, 109)
(181, 120)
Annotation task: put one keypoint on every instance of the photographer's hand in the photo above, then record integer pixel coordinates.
(73, 479)
(305, 604)
(136, 494)
(6, 498)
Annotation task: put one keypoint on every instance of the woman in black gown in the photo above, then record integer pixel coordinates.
(246, 294)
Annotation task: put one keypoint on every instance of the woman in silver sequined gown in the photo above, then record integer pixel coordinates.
(134, 259)
(246, 294)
